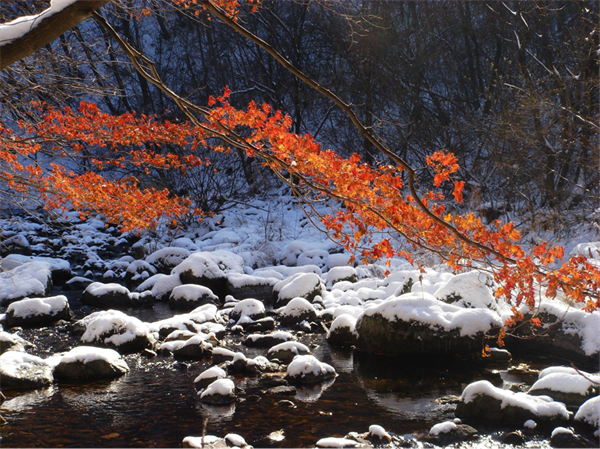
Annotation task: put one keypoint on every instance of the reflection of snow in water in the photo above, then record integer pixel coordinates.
(423, 408)
(310, 393)
(28, 400)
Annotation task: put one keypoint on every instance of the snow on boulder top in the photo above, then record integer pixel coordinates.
(211, 265)
(119, 327)
(87, 354)
(424, 308)
(443, 427)
(101, 289)
(538, 406)
(38, 306)
(214, 372)
(171, 256)
(589, 412)
(565, 382)
(14, 260)
(221, 387)
(304, 365)
(344, 320)
(298, 307)
(29, 279)
(333, 442)
(303, 285)
(576, 322)
(249, 307)
(192, 292)
(337, 274)
(472, 289)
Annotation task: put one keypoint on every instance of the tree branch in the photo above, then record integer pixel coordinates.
(45, 29)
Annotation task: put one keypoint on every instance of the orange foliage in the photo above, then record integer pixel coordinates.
(374, 199)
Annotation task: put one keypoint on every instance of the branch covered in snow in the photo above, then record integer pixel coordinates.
(25, 35)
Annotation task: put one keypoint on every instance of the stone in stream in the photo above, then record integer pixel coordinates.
(285, 352)
(303, 285)
(209, 376)
(38, 312)
(86, 362)
(188, 297)
(450, 432)
(566, 385)
(12, 342)
(219, 392)
(419, 324)
(267, 340)
(296, 311)
(481, 402)
(306, 369)
(106, 296)
(18, 369)
(250, 307)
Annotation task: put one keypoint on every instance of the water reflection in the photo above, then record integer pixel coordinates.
(217, 412)
(28, 400)
(311, 393)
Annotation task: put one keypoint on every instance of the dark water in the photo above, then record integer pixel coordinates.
(156, 405)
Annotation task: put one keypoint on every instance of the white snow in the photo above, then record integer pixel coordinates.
(29, 279)
(565, 382)
(535, 404)
(424, 308)
(379, 432)
(235, 440)
(559, 430)
(308, 364)
(589, 412)
(211, 373)
(530, 424)
(299, 286)
(171, 256)
(101, 289)
(249, 307)
(247, 280)
(87, 354)
(577, 322)
(443, 427)
(14, 260)
(297, 306)
(192, 293)
(474, 288)
(293, 346)
(222, 387)
(12, 363)
(345, 320)
(38, 306)
(126, 328)
(336, 442)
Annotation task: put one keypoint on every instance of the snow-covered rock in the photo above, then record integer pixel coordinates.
(564, 384)
(297, 310)
(190, 296)
(418, 323)
(334, 442)
(165, 259)
(482, 402)
(449, 432)
(87, 362)
(472, 289)
(589, 414)
(267, 340)
(304, 285)
(285, 352)
(340, 274)
(60, 269)
(197, 347)
(210, 269)
(208, 376)
(306, 369)
(37, 312)
(221, 391)
(25, 280)
(106, 296)
(116, 330)
(249, 307)
(18, 369)
(12, 342)
(342, 330)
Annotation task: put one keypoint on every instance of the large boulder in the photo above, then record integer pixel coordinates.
(418, 323)
(342, 330)
(250, 286)
(86, 362)
(450, 432)
(60, 269)
(219, 392)
(250, 307)
(21, 370)
(568, 333)
(38, 312)
(482, 402)
(285, 352)
(106, 296)
(588, 415)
